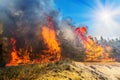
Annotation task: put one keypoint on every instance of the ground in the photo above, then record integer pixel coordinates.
(63, 70)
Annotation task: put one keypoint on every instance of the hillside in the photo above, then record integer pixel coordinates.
(63, 70)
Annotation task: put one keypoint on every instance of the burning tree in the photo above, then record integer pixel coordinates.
(94, 51)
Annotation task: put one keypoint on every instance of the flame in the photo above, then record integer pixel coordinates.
(52, 54)
(93, 50)
(49, 36)
(15, 58)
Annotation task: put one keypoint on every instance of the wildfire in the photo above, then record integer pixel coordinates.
(93, 50)
(52, 54)
(49, 36)
(15, 56)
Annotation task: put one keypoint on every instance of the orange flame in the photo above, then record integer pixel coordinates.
(15, 58)
(53, 53)
(93, 50)
(49, 36)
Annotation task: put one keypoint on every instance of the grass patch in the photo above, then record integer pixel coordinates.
(32, 71)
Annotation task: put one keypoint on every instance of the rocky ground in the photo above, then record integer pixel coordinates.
(63, 70)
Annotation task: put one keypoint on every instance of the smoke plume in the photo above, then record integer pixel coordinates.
(22, 19)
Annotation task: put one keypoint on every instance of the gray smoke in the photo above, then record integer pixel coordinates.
(67, 28)
(22, 19)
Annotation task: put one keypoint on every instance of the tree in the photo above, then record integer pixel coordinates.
(101, 38)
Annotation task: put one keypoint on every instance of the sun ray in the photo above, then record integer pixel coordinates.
(105, 19)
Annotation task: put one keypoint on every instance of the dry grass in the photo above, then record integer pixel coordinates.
(63, 70)
(31, 71)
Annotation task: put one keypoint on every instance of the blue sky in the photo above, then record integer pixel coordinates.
(76, 9)
(82, 12)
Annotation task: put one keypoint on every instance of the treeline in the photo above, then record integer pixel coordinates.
(115, 44)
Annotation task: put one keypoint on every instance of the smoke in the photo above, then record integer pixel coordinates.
(26, 9)
(22, 19)
(67, 29)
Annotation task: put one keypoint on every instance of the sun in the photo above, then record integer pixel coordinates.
(106, 20)
(104, 16)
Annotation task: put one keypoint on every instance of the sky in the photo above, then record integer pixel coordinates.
(101, 16)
